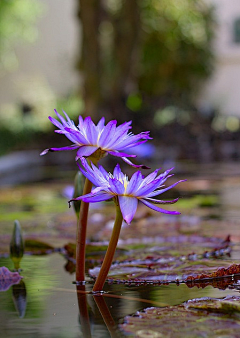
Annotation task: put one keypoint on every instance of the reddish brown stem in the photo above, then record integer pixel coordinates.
(81, 235)
(98, 286)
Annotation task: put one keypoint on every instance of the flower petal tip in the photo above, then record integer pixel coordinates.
(44, 152)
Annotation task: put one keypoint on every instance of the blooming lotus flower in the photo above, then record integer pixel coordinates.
(127, 192)
(98, 140)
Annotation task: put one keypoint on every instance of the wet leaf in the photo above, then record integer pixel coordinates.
(161, 266)
(8, 278)
(35, 247)
(188, 320)
(229, 305)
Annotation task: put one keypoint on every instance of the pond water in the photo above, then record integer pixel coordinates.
(51, 303)
(48, 304)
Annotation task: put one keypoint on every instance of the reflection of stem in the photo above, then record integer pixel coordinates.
(83, 311)
(81, 235)
(98, 286)
(107, 317)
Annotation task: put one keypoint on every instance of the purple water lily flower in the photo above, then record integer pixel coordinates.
(128, 192)
(89, 138)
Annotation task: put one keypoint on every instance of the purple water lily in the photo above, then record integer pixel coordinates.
(89, 138)
(128, 192)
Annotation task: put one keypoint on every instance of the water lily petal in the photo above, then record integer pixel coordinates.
(107, 134)
(93, 197)
(85, 151)
(160, 191)
(91, 132)
(153, 200)
(58, 149)
(128, 206)
(118, 154)
(78, 137)
(134, 183)
(116, 186)
(154, 207)
(134, 140)
(125, 159)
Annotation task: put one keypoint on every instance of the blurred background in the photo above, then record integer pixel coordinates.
(173, 67)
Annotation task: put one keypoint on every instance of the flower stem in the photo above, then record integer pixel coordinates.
(98, 286)
(81, 234)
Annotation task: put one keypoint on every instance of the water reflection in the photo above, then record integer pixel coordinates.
(19, 294)
(54, 307)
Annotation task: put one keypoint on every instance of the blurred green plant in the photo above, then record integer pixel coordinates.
(17, 24)
(176, 47)
(143, 52)
(25, 124)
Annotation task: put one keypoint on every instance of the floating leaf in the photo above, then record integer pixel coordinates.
(187, 321)
(8, 278)
(36, 247)
(162, 267)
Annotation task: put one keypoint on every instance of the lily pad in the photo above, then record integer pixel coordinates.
(163, 265)
(187, 321)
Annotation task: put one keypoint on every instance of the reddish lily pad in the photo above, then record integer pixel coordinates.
(188, 320)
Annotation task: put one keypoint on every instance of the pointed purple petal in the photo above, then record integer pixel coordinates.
(107, 133)
(100, 124)
(132, 140)
(99, 197)
(153, 200)
(147, 189)
(134, 165)
(85, 151)
(89, 175)
(55, 122)
(118, 154)
(44, 152)
(78, 136)
(128, 206)
(160, 191)
(134, 182)
(64, 123)
(120, 134)
(90, 131)
(116, 186)
(154, 207)
(150, 177)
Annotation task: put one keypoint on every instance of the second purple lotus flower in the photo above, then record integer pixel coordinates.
(128, 192)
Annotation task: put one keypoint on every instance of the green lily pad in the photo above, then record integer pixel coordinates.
(187, 321)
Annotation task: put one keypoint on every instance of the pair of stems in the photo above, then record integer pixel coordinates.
(81, 243)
